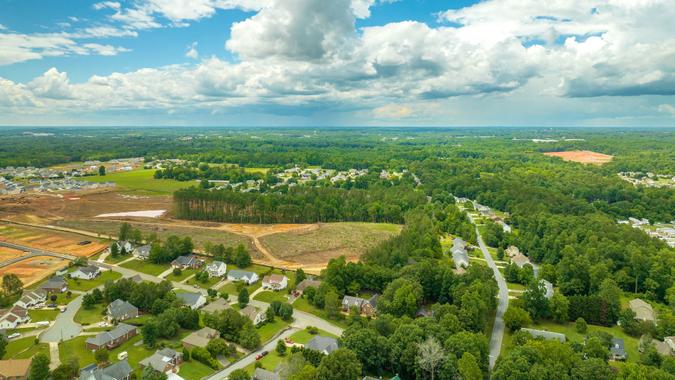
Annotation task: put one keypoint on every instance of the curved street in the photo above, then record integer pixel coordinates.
(64, 326)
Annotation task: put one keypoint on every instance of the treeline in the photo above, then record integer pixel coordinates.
(206, 172)
(299, 205)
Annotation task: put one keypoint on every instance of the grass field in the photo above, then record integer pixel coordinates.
(85, 285)
(321, 242)
(146, 267)
(194, 370)
(141, 182)
(268, 330)
(24, 348)
(43, 315)
(303, 336)
(91, 316)
(185, 273)
(205, 285)
(199, 235)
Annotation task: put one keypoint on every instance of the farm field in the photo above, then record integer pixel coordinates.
(582, 156)
(318, 243)
(9, 253)
(34, 269)
(141, 182)
(199, 235)
(55, 241)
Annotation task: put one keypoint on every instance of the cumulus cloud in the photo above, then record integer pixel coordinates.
(308, 54)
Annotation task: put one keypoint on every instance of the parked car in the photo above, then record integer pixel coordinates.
(261, 355)
(63, 308)
(15, 335)
(42, 323)
(122, 355)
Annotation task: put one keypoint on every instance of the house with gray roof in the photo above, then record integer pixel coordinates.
(366, 307)
(111, 339)
(307, 283)
(165, 360)
(55, 284)
(256, 315)
(617, 350)
(117, 371)
(142, 252)
(216, 306)
(86, 273)
(119, 310)
(548, 335)
(459, 254)
(236, 275)
(549, 288)
(323, 344)
(32, 299)
(200, 338)
(263, 374)
(187, 262)
(193, 300)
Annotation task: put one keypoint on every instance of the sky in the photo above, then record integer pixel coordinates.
(337, 62)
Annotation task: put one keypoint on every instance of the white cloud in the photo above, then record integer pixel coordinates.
(192, 51)
(107, 5)
(392, 111)
(52, 84)
(667, 108)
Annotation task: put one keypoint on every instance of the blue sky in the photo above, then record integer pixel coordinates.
(347, 62)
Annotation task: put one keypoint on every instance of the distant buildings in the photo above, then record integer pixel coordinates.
(662, 231)
(219, 304)
(33, 299)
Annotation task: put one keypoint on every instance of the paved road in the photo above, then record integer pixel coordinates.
(64, 326)
(250, 358)
(31, 253)
(502, 302)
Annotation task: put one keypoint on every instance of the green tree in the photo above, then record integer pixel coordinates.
(299, 276)
(430, 356)
(341, 364)
(249, 337)
(66, 371)
(468, 367)
(101, 355)
(243, 298)
(596, 348)
(332, 305)
(515, 318)
(242, 258)
(559, 306)
(239, 374)
(101, 170)
(125, 230)
(11, 284)
(593, 368)
(581, 326)
(39, 367)
(150, 373)
(217, 346)
(150, 332)
(281, 347)
(535, 301)
(114, 250)
(401, 297)
(3, 345)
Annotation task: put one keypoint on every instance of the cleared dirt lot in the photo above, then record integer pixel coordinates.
(318, 243)
(54, 241)
(34, 269)
(582, 156)
(9, 253)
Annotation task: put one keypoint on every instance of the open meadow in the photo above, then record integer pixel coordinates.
(141, 182)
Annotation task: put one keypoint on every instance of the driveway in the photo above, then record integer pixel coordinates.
(64, 327)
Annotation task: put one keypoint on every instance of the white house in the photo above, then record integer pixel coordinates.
(256, 315)
(14, 317)
(32, 299)
(193, 300)
(86, 273)
(242, 275)
(123, 244)
(216, 269)
(275, 282)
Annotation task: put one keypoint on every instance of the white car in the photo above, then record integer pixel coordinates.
(122, 355)
(15, 335)
(42, 323)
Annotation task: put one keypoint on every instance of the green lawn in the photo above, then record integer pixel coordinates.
(630, 343)
(86, 285)
(514, 286)
(146, 267)
(233, 288)
(140, 320)
(269, 362)
(91, 316)
(24, 348)
(303, 336)
(268, 330)
(76, 348)
(269, 296)
(114, 260)
(142, 182)
(302, 305)
(205, 285)
(43, 315)
(183, 275)
(194, 370)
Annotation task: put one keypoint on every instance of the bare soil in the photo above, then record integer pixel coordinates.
(582, 156)
(34, 269)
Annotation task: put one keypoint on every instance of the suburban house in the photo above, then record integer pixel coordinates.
(32, 299)
(643, 310)
(111, 339)
(307, 283)
(14, 369)
(200, 338)
(120, 370)
(193, 300)
(548, 335)
(263, 374)
(216, 306)
(459, 254)
(187, 262)
(55, 284)
(617, 350)
(119, 310)
(137, 279)
(86, 273)
(165, 360)
(521, 260)
(366, 307)
(142, 252)
(241, 275)
(256, 315)
(323, 344)
(216, 269)
(13, 317)
(549, 288)
(275, 282)
(124, 245)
